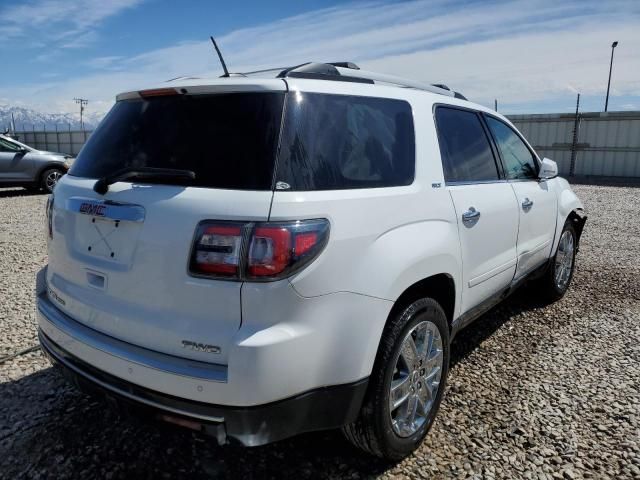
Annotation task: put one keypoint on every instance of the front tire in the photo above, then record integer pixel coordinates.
(406, 384)
(555, 283)
(49, 179)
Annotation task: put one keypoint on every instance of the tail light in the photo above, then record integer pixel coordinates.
(263, 251)
(158, 92)
(217, 250)
(49, 216)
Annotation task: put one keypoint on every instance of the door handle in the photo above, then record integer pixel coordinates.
(527, 204)
(471, 216)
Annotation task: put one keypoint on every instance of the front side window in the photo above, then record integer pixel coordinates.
(333, 142)
(519, 162)
(464, 147)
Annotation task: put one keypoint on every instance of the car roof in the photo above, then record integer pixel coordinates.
(337, 78)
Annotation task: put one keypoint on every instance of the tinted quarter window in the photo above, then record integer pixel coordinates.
(518, 160)
(333, 142)
(228, 140)
(6, 146)
(464, 146)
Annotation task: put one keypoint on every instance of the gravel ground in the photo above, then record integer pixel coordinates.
(534, 391)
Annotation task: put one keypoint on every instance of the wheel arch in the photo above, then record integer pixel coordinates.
(47, 166)
(569, 208)
(441, 287)
(578, 219)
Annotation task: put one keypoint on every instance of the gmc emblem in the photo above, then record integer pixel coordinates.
(92, 209)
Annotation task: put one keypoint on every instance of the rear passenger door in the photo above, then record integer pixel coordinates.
(485, 204)
(536, 203)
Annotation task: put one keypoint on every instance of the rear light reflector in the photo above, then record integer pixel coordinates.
(217, 250)
(305, 242)
(49, 216)
(262, 251)
(270, 251)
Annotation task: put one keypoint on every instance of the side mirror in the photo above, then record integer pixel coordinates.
(548, 169)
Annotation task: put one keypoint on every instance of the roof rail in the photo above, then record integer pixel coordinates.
(402, 82)
(265, 70)
(322, 71)
(455, 94)
(182, 78)
(350, 72)
(351, 65)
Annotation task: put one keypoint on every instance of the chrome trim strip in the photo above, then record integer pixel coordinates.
(518, 180)
(529, 253)
(474, 182)
(127, 212)
(55, 319)
(492, 273)
(50, 351)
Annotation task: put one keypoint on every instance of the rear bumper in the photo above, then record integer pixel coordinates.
(319, 409)
(286, 345)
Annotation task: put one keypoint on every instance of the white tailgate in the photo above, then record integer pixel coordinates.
(123, 269)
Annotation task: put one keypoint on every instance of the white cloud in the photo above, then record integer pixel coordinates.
(69, 21)
(103, 62)
(529, 67)
(520, 52)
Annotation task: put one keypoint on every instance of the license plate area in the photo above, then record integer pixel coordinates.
(105, 230)
(105, 238)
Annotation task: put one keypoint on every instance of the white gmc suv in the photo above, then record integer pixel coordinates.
(257, 256)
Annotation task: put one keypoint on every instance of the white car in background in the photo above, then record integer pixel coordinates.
(256, 257)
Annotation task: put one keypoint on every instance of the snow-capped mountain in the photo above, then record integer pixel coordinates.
(28, 119)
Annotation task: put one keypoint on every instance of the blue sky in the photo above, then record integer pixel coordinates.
(533, 56)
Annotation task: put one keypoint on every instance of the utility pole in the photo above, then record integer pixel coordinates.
(606, 102)
(574, 142)
(82, 102)
(495, 104)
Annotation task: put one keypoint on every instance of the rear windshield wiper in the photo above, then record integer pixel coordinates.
(141, 173)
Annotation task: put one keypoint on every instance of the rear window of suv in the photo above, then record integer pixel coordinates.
(333, 142)
(328, 142)
(228, 140)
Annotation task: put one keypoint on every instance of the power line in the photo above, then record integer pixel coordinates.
(82, 102)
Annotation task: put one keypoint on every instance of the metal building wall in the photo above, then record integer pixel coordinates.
(608, 144)
(64, 141)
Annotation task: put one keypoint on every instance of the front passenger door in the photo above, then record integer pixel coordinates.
(485, 205)
(537, 204)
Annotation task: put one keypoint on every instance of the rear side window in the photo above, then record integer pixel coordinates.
(518, 160)
(228, 140)
(333, 142)
(464, 146)
(6, 146)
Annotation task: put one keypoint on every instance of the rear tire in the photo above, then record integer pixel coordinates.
(49, 179)
(556, 281)
(385, 426)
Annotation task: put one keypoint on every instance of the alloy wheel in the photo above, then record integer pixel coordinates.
(564, 260)
(416, 378)
(52, 179)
